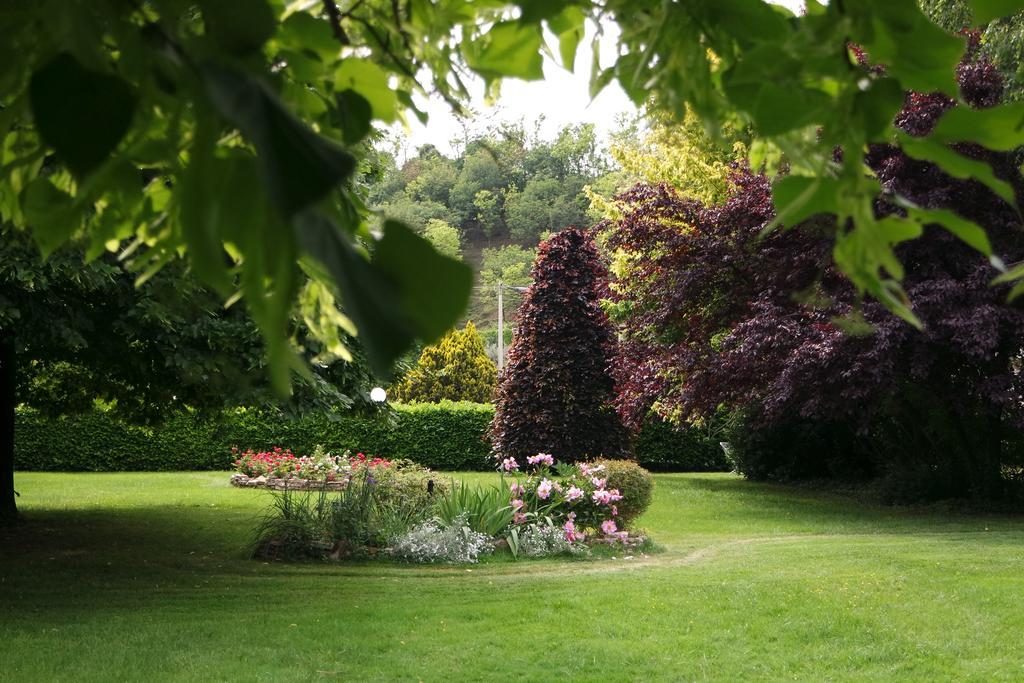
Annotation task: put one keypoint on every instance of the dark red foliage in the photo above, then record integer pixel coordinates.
(712, 316)
(555, 394)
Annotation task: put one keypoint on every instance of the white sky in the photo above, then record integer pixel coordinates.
(562, 98)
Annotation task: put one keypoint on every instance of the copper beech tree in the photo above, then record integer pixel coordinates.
(555, 394)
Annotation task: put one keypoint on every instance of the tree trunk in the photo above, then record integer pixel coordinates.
(8, 508)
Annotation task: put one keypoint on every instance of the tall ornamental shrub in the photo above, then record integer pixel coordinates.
(555, 394)
(716, 314)
(455, 369)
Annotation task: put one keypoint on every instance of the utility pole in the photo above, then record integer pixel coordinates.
(501, 325)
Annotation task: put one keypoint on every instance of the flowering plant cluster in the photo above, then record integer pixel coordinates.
(576, 496)
(282, 463)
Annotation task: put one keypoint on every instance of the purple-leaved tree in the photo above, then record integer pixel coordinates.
(555, 394)
(713, 314)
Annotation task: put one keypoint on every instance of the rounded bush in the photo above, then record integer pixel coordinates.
(634, 483)
(456, 369)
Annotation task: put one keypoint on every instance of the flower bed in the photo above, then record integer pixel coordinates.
(375, 508)
(280, 469)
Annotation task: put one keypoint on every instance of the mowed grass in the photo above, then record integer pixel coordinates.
(146, 577)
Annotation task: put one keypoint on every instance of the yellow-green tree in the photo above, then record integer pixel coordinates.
(456, 368)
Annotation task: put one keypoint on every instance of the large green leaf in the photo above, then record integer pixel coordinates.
(985, 11)
(955, 164)
(369, 297)
(266, 246)
(370, 81)
(510, 48)
(534, 11)
(763, 85)
(299, 166)
(748, 21)
(568, 26)
(407, 290)
(303, 31)
(862, 252)
(354, 116)
(51, 214)
(919, 54)
(999, 128)
(797, 198)
(201, 202)
(877, 106)
(82, 114)
(239, 26)
(968, 231)
(435, 288)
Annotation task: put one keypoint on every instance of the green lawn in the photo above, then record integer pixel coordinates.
(145, 577)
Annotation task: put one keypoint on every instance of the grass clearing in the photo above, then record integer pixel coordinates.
(145, 576)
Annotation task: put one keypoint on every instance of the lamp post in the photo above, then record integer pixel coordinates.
(501, 320)
(378, 395)
(501, 325)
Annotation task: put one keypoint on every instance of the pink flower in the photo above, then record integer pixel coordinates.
(601, 497)
(570, 531)
(541, 459)
(544, 489)
(518, 518)
(615, 510)
(516, 489)
(608, 527)
(509, 464)
(614, 495)
(517, 505)
(598, 483)
(574, 493)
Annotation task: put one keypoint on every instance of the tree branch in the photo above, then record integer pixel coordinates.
(334, 18)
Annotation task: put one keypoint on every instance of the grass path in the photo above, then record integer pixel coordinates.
(144, 577)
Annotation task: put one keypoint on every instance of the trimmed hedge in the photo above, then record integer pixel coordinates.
(442, 436)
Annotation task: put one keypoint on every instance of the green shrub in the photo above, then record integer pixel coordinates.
(411, 484)
(443, 436)
(295, 526)
(662, 447)
(634, 483)
(379, 505)
(456, 368)
(373, 509)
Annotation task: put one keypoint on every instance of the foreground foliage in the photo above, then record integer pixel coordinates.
(207, 100)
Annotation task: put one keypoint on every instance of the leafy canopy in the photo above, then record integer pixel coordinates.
(231, 132)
